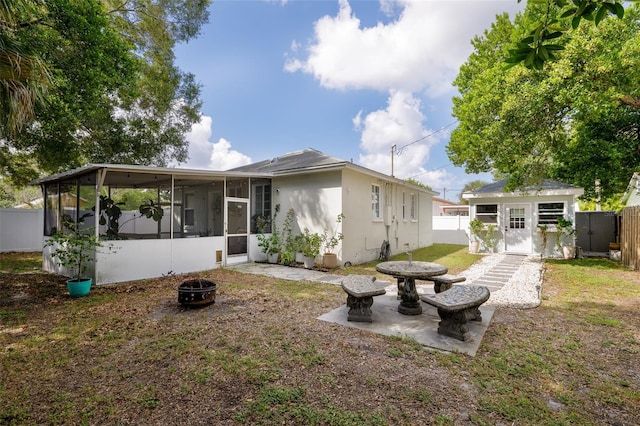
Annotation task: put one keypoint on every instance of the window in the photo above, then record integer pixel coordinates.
(412, 206)
(487, 213)
(261, 214)
(404, 205)
(548, 213)
(375, 202)
(516, 218)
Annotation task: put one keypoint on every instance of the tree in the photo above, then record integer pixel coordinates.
(568, 121)
(470, 186)
(117, 95)
(418, 183)
(540, 43)
(24, 77)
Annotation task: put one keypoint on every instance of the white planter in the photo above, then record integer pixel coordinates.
(569, 252)
(309, 262)
(273, 258)
(474, 247)
(299, 257)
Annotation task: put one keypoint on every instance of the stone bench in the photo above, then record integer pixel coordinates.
(456, 307)
(360, 292)
(445, 282)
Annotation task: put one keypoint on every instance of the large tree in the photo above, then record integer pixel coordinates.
(571, 120)
(117, 95)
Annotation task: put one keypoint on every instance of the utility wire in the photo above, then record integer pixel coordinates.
(442, 129)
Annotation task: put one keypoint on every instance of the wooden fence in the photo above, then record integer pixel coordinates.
(630, 237)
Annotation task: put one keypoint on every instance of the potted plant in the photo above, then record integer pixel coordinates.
(298, 245)
(311, 248)
(270, 244)
(330, 241)
(287, 239)
(73, 249)
(476, 227)
(488, 237)
(565, 238)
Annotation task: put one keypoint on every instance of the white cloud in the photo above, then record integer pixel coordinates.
(400, 124)
(421, 49)
(204, 154)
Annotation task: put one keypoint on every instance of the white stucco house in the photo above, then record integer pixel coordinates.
(518, 214)
(209, 217)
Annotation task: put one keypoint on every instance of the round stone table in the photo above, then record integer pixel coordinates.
(408, 271)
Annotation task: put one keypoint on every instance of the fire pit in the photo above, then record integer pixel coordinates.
(196, 293)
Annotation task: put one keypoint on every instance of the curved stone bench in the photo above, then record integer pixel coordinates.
(456, 307)
(445, 282)
(360, 291)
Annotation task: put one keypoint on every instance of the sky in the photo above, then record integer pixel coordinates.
(349, 78)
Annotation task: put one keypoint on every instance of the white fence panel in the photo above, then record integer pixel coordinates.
(451, 230)
(21, 229)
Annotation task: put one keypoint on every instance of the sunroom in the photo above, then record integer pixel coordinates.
(158, 221)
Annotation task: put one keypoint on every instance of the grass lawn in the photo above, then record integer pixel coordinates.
(128, 354)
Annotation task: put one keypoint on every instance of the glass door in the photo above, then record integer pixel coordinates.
(237, 230)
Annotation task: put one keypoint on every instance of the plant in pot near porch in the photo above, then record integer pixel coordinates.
(565, 238)
(311, 248)
(73, 249)
(270, 244)
(476, 229)
(329, 242)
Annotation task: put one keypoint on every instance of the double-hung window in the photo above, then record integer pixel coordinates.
(412, 206)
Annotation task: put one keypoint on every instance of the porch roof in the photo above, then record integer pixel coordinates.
(120, 174)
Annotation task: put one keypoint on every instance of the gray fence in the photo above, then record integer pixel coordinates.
(21, 229)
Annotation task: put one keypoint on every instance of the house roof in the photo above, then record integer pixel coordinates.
(631, 196)
(298, 162)
(294, 161)
(546, 187)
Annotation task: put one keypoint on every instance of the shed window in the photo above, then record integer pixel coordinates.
(548, 213)
(412, 206)
(487, 213)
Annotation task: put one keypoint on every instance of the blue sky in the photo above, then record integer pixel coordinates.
(348, 78)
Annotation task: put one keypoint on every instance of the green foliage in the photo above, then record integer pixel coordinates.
(74, 248)
(115, 95)
(271, 244)
(312, 243)
(541, 42)
(470, 186)
(418, 183)
(476, 227)
(573, 121)
(330, 241)
(565, 233)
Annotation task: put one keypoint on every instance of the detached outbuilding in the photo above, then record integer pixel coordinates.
(211, 219)
(519, 216)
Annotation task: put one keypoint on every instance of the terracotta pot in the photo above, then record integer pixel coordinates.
(330, 260)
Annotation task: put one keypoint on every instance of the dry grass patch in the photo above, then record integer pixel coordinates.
(128, 354)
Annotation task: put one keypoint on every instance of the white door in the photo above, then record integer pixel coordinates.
(237, 230)
(517, 229)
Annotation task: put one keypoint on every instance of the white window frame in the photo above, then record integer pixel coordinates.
(376, 205)
(488, 217)
(549, 222)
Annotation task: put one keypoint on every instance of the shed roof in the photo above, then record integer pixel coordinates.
(546, 187)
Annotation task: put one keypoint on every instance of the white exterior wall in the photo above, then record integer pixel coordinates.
(364, 235)
(140, 259)
(532, 201)
(21, 229)
(316, 199)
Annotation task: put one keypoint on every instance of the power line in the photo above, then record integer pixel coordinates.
(427, 171)
(442, 129)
